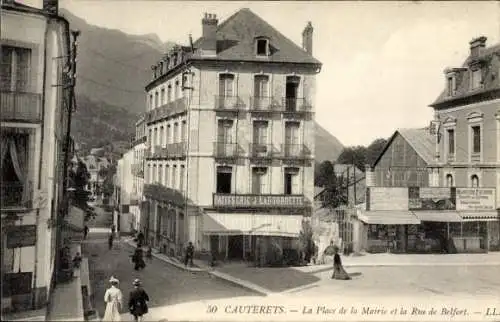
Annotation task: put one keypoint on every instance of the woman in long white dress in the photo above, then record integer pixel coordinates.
(113, 298)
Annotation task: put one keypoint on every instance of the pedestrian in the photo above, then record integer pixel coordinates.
(140, 239)
(113, 228)
(110, 241)
(77, 260)
(85, 231)
(138, 301)
(113, 299)
(138, 260)
(189, 255)
(338, 270)
(149, 254)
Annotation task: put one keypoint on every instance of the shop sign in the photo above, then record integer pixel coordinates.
(21, 236)
(434, 198)
(258, 201)
(476, 199)
(388, 198)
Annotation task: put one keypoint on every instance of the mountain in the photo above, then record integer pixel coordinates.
(112, 70)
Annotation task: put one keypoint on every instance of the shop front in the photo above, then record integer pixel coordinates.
(252, 237)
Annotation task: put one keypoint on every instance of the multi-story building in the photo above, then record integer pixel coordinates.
(95, 164)
(230, 126)
(34, 111)
(137, 169)
(467, 123)
(125, 221)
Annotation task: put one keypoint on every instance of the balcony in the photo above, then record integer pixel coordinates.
(228, 103)
(251, 201)
(15, 197)
(20, 107)
(295, 152)
(167, 110)
(137, 170)
(295, 105)
(224, 150)
(262, 151)
(263, 105)
(177, 150)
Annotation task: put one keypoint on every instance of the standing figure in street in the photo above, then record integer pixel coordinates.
(338, 270)
(138, 259)
(85, 231)
(140, 239)
(149, 254)
(189, 255)
(138, 301)
(110, 241)
(113, 298)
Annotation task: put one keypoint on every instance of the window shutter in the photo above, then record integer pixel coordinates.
(264, 182)
(296, 183)
(255, 182)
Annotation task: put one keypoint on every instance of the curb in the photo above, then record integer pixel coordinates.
(211, 272)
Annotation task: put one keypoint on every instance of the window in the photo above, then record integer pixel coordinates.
(223, 180)
(155, 137)
(161, 137)
(449, 180)
(161, 69)
(225, 138)
(226, 83)
(162, 96)
(151, 102)
(156, 99)
(160, 173)
(181, 178)
(291, 92)
(260, 132)
(262, 47)
(450, 85)
(451, 141)
(259, 181)
(169, 136)
(292, 138)
(261, 91)
(169, 93)
(476, 139)
(177, 90)
(291, 181)
(476, 79)
(174, 177)
(15, 68)
(176, 132)
(154, 178)
(15, 169)
(150, 137)
(474, 180)
(183, 131)
(167, 175)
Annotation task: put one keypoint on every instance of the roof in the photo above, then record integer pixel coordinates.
(491, 57)
(236, 36)
(419, 139)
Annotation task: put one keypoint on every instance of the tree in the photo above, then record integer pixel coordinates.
(107, 174)
(306, 241)
(354, 155)
(79, 178)
(334, 193)
(374, 150)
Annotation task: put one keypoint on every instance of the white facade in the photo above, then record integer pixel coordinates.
(31, 104)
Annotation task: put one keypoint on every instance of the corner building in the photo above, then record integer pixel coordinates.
(230, 140)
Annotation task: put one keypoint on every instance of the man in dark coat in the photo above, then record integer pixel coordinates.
(189, 255)
(138, 301)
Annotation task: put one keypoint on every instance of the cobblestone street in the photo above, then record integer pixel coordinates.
(165, 284)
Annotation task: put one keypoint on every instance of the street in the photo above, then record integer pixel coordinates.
(165, 284)
(408, 281)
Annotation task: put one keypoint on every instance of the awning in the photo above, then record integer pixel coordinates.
(251, 224)
(480, 216)
(391, 217)
(438, 216)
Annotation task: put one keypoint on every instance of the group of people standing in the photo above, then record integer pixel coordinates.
(137, 302)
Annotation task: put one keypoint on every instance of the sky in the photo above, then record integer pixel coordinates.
(383, 62)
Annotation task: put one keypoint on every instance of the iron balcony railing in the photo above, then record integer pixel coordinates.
(166, 110)
(262, 150)
(15, 195)
(228, 103)
(177, 150)
(263, 104)
(295, 151)
(20, 106)
(291, 105)
(226, 150)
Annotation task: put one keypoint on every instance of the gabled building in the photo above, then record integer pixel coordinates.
(34, 113)
(230, 128)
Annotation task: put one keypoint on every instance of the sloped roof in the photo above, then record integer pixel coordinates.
(491, 57)
(236, 41)
(419, 139)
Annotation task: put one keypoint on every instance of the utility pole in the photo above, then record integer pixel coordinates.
(355, 180)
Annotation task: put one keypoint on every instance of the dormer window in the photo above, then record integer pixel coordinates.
(161, 68)
(262, 46)
(476, 78)
(450, 85)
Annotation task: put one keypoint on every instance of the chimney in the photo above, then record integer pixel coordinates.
(51, 6)
(477, 45)
(209, 27)
(307, 38)
(369, 176)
